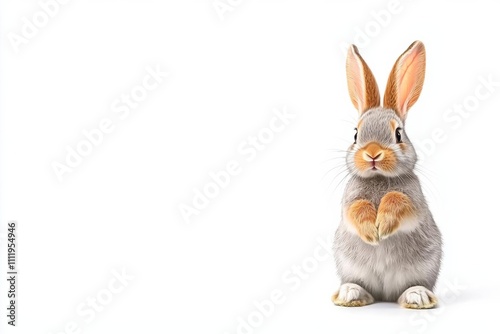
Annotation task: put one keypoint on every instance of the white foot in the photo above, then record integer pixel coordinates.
(417, 297)
(351, 294)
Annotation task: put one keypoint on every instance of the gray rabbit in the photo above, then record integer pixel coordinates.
(387, 246)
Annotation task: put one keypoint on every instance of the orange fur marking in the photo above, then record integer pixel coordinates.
(394, 207)
(394, 125)
(372, 95)
(362, 214)
(387, 163)
(373, 149)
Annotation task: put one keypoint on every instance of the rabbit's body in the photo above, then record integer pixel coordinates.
(387, 246)
(409, 258)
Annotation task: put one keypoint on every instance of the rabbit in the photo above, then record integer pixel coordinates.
(387, 246)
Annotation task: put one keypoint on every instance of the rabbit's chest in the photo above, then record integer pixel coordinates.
(372, 190)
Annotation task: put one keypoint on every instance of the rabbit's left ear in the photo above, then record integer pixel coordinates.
(406, 80)
(362, 86)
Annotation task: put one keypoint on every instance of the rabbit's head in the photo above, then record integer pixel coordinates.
(381, 147)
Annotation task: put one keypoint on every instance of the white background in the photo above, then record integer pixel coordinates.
(120, 207)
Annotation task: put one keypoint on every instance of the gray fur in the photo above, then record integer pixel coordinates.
(406, 258)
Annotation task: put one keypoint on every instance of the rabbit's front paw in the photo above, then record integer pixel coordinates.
(387, 224)
(351, 294)
(362, 215)
(368, 232)
(393, 209)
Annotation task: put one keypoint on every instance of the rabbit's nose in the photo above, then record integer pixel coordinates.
(373, 152)
(368, 157)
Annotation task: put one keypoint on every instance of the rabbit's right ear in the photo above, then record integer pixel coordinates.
(406, 80)
(362, 86)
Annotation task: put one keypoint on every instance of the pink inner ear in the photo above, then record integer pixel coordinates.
(355, 80)
(410, 76)
(363, 88)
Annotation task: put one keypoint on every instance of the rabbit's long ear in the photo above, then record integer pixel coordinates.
(362, 86)
(406, 80)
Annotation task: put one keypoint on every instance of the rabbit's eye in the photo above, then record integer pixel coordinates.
(398, 135)
(355, 135)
